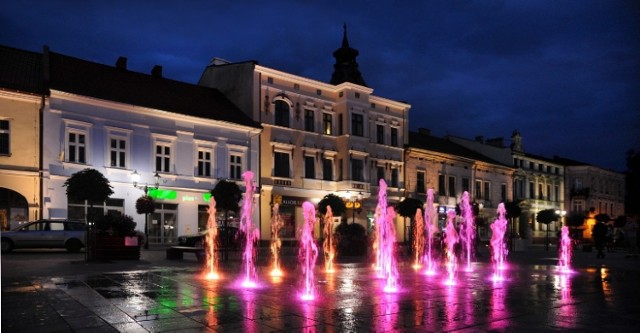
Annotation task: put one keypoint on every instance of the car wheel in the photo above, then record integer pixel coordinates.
(73, 245)
(7, 246)
(199, 244)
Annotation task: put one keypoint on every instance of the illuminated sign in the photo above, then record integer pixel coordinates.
(163, 194)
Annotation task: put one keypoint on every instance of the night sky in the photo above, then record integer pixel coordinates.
(566, 74)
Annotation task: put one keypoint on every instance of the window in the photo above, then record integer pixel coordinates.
(357, 95)
(394, 177)
(327, 123)
(357, 125)
(310, 167)
(281, 165)
(163, 157)
(556, 190)
(340, 124)
(117, 152)
(532, 190)
(452, 186)
(282, 113)
(549, 192)
(394, 136)
(503, 192)
(487, 191)
(79, 209)
(420, 188)
(4, 137)
(478, 194)
(540, 193)
(308, 121)
(204, 163)
(465, 184)
(357, 170)
(235, 166)
(327, 169)
(441, 185)
(76, 147)
(380, 134)
(380, 173)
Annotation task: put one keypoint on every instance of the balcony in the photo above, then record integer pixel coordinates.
(579, 193)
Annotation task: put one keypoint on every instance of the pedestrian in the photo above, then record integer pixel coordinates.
(600, 238)
(630, 236)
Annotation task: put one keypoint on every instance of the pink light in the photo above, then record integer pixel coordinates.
(451, 239)
(430, 221)
(564, 263)
(308, 252)
(467, 229)
(276, 225)
(328, 246)
(246, 225)
(498, 247)
(386, 240)
(210, 242)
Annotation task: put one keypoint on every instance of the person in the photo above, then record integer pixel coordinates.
(600, 238)
(609, 239)
(630, 236)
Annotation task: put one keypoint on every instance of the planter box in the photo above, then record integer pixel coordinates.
(116, 248)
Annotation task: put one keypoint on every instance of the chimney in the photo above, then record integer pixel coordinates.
(424, 131)
(121, 63)
(496, 142)
(156, 71)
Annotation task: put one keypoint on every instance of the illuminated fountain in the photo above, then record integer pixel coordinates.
(328, 246)
(564, 264)
(430, 226)
(276, 225)
(498, 246)
(308, 252)
(451, 239)
(418, 240)
(467, 229)
(386, 240)
(250, 231)
(210, 242)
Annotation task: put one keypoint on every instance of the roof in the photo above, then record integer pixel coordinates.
(91, 79)
(432, 143)
(21, 70)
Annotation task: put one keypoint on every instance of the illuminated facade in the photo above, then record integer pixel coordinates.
(120, 122)
(451, 169)
(20, 102)
(318, 138)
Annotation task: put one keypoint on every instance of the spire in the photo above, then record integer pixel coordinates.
(346, 67)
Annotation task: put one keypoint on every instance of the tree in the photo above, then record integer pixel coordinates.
(546, 216)
(604, 218)
(335, 202)
(89, 185)
(408, 208)
(227, 195)
(513, 211)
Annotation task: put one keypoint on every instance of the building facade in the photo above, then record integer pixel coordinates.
(318, 138)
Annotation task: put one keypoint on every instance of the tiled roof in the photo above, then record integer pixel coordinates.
(20, 70)
(432, 143)
(87, 78)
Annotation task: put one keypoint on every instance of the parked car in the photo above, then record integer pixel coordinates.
(64, 234)
(229, 237)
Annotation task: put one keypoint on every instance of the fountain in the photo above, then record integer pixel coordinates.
(565, 249)
(430, 226)
(498, 246)
(467, 229)
(276, 225)
(328, 246)
(210, 242)
(250, 231)
(386, 237)
(418, 240)
(308, 251)
(451, 239)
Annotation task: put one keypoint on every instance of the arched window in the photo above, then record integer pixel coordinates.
(282, 113)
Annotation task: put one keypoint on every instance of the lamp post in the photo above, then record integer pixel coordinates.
(560, 214)
(354, 203)
(135, 178)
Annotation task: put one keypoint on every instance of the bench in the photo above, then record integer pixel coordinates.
(177, 252)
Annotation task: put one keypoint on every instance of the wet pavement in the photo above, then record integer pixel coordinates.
(159, 295)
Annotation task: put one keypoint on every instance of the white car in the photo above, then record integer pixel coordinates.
(65, 234)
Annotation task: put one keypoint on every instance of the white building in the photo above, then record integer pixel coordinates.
(121, 122)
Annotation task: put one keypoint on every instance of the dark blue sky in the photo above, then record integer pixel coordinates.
(566, 74)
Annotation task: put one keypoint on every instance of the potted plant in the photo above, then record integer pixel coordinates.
(116, 238)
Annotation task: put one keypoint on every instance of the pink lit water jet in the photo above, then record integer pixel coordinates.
(386, 240)
(418, 240)
(250, 231)
(328, 246)
(467, 229)
(276, 225)
(210, 242)
(308, 252)
(451, 239)
(498, 247)
(430, 226)
(565, 249)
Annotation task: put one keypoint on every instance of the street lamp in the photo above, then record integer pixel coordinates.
(354, 203)
(135, 178)
(561, 214)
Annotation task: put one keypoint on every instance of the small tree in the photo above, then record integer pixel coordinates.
(145, 205)
(89, 185)
(546, 216)
(575, 221)
(407, 208)
(227, 195)
(336, 203)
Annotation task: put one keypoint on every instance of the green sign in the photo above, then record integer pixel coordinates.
(163, 194)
